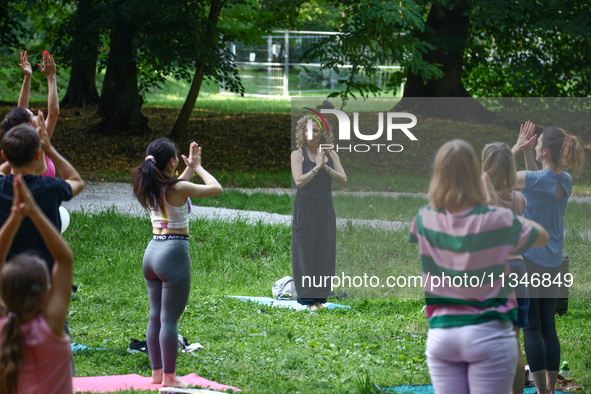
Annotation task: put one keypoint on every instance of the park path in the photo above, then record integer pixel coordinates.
(98, 197)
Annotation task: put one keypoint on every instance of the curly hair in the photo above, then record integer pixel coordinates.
(302, 128)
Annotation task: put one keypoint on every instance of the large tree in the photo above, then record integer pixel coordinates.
(208, 38)
(150, 40)
(374, 32)
(78, 46)
(246, 21)
(469, 47)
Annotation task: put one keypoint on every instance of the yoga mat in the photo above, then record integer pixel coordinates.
(103, 384)
(76, 347)
(170, 390)
(292, 304)
(428, 389)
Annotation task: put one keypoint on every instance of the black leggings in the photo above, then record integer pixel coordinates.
(540, 339)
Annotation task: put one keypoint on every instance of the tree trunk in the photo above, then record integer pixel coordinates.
(82, 84)
(178, 131)
(120, 104)
(448, 33)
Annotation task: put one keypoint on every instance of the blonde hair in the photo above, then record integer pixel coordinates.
(498, 162)
(456, 177)
(302, 128)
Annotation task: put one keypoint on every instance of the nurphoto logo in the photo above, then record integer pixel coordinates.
(344, 131)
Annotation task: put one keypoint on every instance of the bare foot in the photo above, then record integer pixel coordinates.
(171, 380)
(156, 376)
(312, 307)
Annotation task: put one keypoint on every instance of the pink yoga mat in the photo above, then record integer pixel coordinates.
(103, 384)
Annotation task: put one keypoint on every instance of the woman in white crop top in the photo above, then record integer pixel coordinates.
(166, 264)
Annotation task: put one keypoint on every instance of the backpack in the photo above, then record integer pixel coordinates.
(284, 288)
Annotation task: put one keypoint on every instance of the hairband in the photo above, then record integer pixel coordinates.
(11, 314)
(150, 157)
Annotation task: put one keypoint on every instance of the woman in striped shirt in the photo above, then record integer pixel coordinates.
(464, 244)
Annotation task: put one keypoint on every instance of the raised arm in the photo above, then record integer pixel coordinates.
(525, 143)
(189, 189)
(297, 159)
(65, 169)
(336, 172)
(520, 184)
(191, 162)
(58, 300)
(10, 227)
(53, 106)
(23, 98)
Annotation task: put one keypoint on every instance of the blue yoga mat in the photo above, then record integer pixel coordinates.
(292, 304)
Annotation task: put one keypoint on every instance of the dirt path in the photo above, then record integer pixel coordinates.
(98, 197)
(103, 196)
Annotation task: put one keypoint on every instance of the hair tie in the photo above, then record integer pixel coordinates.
(150, 157)
(11, 314)
(35, 288)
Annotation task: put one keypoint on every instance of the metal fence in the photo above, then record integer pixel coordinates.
(273, 69)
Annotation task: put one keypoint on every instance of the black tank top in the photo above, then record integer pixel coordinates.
(321, 185)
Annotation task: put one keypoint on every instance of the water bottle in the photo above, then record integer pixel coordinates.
(564, 370)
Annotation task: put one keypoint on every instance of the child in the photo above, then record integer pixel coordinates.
(21, 146)
(471, 346)
(547, 192)
(167, 265)
(34, 348)
(499, 164)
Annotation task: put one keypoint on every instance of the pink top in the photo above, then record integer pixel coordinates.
(47, 359)
(50, 172)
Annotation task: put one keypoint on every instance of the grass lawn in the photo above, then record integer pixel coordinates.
(261, 349)
(380, 340)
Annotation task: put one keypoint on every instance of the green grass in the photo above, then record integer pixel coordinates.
(402, 208)
(233, 199)
(250, 346)
(211, 102)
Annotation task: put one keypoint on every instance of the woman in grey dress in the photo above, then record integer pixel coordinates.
(314, 223)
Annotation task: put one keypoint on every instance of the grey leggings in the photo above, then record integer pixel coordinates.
(167, 270)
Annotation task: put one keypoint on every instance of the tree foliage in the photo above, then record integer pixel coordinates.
(529, 48)
(374, 32)
(464, 47)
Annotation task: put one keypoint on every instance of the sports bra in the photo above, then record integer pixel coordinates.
(50, 172)
(169, 216)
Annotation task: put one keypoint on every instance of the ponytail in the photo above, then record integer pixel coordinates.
(572, 154)
(566, 150)
(11, 355)
(148, 179)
